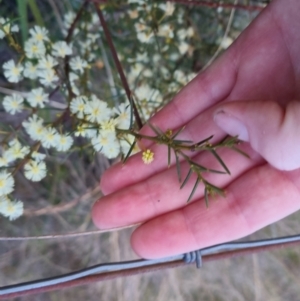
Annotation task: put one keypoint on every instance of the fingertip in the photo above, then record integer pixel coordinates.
(143, 244)
(113, 178)
(163, 236)
(231, 125)
(105, 182)
(95, 215)
(137, 244)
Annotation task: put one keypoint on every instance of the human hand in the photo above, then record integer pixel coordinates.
(262, 68)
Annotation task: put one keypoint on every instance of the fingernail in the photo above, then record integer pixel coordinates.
(231, 125)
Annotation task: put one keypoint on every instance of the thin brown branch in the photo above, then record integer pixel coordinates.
(64, 236)
(68, 40)
(118, 66)
(73, 25)
(65, 206)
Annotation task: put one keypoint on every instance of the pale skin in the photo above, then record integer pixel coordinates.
(260, 76)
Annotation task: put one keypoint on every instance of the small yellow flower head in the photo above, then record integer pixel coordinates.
(169, 133)
(148, 156)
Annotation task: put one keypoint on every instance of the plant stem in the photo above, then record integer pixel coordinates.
(118, 65)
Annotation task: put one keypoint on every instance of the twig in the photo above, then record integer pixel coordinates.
(10, 92)
(119, 66)
(56, 13)
(65, 206)
(110, 78)
(223, 38)
(63, 236)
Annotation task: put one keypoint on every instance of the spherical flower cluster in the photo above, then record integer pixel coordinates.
(34, 127)
(41, 59)
(61, 49)
(144, 33)
(6, 27)
(47, 63)
(13, 103)
(123, 112)
(47, 77)
(14, 151)
(147, 156)
(7, 183)
(96, 110)
(12, 72)
(39, 34)
(99, 123)
(78, 64)
(34, 49)
(64, 142)
(30, 70)
(106, 143)
(77, 106)
(35, 170)
(37, 98)
(10, 209)
(48, 136)
(168, 8)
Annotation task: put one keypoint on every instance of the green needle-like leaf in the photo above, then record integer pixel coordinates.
(203, 141)
(194, 189)
(230, 141)
(178, 132)
(218, 190)
(186, 178)
(240, 152)
(22, 10)
(178, 167)
(131, 114)
(182, 141)
(156, 130)
(220, 160)
(203, 169)
(226, 138)
(215, 189)
(169, 156)
(129, 152)
(206, 193)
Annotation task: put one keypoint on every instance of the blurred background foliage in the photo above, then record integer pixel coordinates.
(61, 203)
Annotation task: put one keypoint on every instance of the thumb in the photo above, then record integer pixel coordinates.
(271, 130)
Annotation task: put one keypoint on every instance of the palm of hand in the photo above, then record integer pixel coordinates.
(261, 65)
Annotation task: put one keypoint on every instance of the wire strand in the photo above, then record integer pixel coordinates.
(194, 256)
